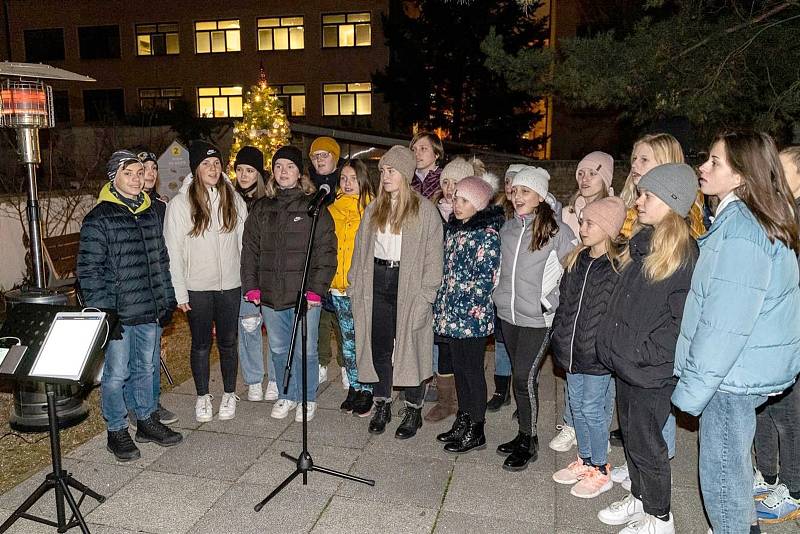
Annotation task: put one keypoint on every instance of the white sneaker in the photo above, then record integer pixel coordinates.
(281, 408)
(650, 524)
(203, 412)
(345, 381)
(760, 487)
(255, 393)
(272, 391)
(564, 440)
(620, 476)
(323, 374)
(618, 513)
(227, 408)
(310, 412)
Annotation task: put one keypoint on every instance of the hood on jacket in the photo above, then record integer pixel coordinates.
(107, 196)
(490, 217)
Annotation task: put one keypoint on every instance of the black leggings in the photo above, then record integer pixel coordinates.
(222, 309)
(445, 366)
(526, 348)
(468, 355)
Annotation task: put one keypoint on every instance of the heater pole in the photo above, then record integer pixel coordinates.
(28, 143)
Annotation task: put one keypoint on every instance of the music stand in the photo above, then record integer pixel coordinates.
(30, 323)
(304, 462)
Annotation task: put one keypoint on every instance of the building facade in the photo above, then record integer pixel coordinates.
(150, 55)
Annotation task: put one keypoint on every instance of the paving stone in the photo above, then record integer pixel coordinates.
(290, 512)
(212, 455)
(347, 516)
(95, 450)
(331, 427)
(458, 523)
(183, 406)
(252, 419)
(159, 502)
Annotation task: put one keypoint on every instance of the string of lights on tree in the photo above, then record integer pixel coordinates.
(264, 124)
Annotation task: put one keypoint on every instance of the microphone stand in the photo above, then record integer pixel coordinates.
(304, 463)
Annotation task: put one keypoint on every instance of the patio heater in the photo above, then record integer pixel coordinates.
(26, 105)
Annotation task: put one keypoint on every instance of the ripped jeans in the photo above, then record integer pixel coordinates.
(251, 352)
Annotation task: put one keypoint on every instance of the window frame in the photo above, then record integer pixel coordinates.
(286, 98)
(107, 90)
(280, 26)
(137, 34)
(169, 99)
(44, 59)
(220, 96)
(210, 32)
(119, 42)
(347, 22)
(340, 94)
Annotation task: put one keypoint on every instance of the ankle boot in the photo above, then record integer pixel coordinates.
(382, 416)
(473, 438)
(347, 405)
(457, 430)
(508, 447)
(526, 450)
(151, 430)
(412, 421)
(501, 395)
(447, 404)
(122, 446)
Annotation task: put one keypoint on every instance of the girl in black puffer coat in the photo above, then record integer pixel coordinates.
(586, 289)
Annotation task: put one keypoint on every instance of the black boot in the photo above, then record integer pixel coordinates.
(153, 430)
(363, 403)
(615, 438)
(508, 447)
(382, 416)
(457, 430)
(501, 397)
(412, 421)
(473, 438)
(527, 450)
(122, 446)
(347, 405)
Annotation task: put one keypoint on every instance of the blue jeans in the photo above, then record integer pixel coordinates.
(727, 427)
(156, 378)
(609, 405)
(502, 363)
(251, 352)
(130, 360)
(344, 313)
(279, 329)
(587, 401)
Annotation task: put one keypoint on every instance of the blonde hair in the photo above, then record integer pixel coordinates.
(305, 183)
(670, 248)
(616, 249)
(666, 149)
(394, 213)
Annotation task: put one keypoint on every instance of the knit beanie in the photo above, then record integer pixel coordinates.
(292, 153)
(601, 163)
(200, 150)
(145, 156)
(535, 178)
(457, 170)
(250, 155)
(328, 144)
(476, 191)
(118, 160)
(401, 159)
(513, 169)
(608, 213)
(674, 183)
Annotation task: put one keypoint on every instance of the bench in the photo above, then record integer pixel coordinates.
(61, 255)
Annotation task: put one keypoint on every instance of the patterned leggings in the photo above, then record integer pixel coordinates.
(344, 312)
(526, 348)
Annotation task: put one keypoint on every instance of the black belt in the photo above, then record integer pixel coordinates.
(391, 264)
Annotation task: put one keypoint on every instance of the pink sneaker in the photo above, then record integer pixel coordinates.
(572, 473)
(593, 484)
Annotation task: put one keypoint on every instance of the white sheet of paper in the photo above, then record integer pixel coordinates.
(67, 347)
(3, 352)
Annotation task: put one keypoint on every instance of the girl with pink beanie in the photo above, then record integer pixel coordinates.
(594, 175)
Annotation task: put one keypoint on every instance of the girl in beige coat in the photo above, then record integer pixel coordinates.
(395, 273)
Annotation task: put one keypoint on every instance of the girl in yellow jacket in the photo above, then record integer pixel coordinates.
(355, 192)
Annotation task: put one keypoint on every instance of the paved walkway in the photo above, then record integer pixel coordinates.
(210, 482)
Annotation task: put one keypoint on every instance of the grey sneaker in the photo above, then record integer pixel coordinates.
(165, 416)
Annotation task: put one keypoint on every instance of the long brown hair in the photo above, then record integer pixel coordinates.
(764, 190)
(365, 190)
(545, 226)
(394, 214)
(200, 205)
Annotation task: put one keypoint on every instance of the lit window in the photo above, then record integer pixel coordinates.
(346, 29)
(219, 102)
(157, 39)
(293, 98)
(281, 33)
(217, 36)
(163, 98)
(347, 99)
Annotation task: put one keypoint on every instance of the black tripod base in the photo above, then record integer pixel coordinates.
(305, 464)
(60, 482)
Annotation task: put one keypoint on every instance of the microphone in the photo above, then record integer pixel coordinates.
(319, 199)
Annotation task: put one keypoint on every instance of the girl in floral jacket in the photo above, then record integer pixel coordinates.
(463, 311)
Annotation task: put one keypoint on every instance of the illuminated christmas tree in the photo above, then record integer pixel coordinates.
(264, 124)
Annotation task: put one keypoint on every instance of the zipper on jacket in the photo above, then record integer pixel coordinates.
(577, 313)
(514, 274)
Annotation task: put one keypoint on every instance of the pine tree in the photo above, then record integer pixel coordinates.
(264, 124)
